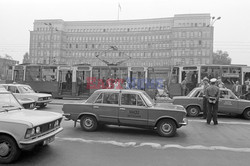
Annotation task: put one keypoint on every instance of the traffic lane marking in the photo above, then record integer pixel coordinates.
(156, 145)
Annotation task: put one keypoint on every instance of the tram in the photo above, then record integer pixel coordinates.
(85, 79)
(228, 74)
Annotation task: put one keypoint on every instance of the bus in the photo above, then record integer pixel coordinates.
(52, 78)
(228, 74)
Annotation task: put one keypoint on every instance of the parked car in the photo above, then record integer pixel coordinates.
(22, 91)
(27, 103)
(22, 129)
(126, 108)
(228, 103)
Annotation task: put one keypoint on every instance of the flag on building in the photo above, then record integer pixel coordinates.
(119, 7)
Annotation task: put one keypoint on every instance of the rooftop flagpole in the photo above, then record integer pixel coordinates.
(119, 9)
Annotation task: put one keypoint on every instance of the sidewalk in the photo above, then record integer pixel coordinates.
(66, 101)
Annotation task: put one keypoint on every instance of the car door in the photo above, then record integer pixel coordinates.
(228, 102)
(133, 110)
(198, 98)
(106, 107)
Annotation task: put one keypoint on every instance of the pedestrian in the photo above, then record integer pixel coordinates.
(79, 85)
(247, 95)
(237, 89)
(184, 87)
(194, 79)
(220, 84)
(68, 79)
(204, 86)
(245, 88)
(212, 94)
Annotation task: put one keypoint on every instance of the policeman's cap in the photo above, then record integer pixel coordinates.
(205, 79)
(213, 80)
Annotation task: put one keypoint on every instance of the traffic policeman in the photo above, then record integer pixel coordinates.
(212, 95)
(204, 86)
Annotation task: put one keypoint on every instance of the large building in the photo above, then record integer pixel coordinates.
(182, 39)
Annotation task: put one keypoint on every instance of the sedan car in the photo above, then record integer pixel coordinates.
(126, 108)
(22, 129)
(228, 103)
(22, 92)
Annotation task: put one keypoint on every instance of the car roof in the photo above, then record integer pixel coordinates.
(119, 90)
(219, 88)
(15, 84)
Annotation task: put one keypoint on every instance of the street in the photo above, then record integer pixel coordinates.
(196, 144)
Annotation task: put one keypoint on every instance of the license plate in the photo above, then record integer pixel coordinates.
(48, 140)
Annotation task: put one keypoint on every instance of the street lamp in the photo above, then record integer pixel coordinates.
(211, 25)
(51, 28)
(213, 20)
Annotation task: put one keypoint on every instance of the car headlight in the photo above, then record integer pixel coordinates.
(56, 123)
(30, 132)
(40, 99)
(38, 130)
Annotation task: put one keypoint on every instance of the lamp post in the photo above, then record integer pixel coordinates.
(213, 20)
(51, 28)
(211, 25)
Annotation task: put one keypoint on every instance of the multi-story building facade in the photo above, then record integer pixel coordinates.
(182, 39)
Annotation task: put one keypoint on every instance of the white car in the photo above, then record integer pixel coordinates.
(22, 129)
(22, 91)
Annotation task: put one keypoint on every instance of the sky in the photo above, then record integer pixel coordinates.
(231, 32)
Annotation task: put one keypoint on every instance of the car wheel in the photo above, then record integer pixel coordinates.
(246, 114)
(193, 111)
(89, 123)
(43, 105)
(9, 151)
(166, 128)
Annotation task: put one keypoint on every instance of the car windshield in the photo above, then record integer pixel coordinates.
(8, 102)
(26, 89)
(150, 102)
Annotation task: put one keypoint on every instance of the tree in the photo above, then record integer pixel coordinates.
(8, 57)
(26, 58)
(221, 57)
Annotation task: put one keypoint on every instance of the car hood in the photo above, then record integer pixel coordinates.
(26, 100)
(29, 117)
(37, 94)
(244, 101)
(180, 97)
(169, 106)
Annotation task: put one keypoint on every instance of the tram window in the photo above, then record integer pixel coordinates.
(33, 73)
(49, 73)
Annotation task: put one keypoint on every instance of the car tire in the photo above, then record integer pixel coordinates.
(193, 111)
(43, 105)
(9, 149)
(88, 123)
(246, 114)
(166, 128)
